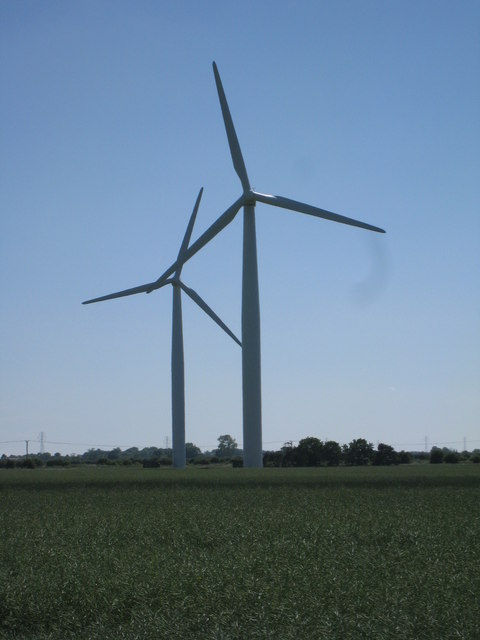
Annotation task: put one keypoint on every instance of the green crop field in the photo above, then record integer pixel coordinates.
(329, 553)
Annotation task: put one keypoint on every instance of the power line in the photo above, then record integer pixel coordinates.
(89, 444)
(43, 441)
(418, 444)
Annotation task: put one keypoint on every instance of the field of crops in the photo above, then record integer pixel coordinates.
(347, 553)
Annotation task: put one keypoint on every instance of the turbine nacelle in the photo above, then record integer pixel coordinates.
(249, 198)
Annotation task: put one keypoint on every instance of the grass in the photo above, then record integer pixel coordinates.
(378, 553)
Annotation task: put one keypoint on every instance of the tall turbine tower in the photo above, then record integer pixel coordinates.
(251, 373)
(178, 367)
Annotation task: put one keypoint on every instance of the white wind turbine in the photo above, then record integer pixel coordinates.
(251, 374)
(178, 367)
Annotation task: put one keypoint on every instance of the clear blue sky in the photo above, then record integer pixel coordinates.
(111, 124)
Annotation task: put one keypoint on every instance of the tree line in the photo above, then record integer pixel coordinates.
(227, 450)
(313, 452)
(309, 452)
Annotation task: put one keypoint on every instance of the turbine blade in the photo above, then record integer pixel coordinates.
(238, 163)
(293, 205)
(203, 305)
(144, 288)
(208, 235)
(188, 232)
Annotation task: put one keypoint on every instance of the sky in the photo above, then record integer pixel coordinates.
(110, 124)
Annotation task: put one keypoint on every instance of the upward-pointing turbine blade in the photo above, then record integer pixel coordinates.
(188, 233)
(214, 229)
(238, 163)
(203, 305)
(177, 266)
(144, 288)
(293, 205)
(208, 235)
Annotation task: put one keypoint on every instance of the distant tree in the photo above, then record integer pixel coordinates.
(451, 457)
(192, 451)
(131, 454)
(114, 454)
(436, 456)
(385, 455)
(404, 457)
(332, 453)
(358, 452)
(92, 455)
(227, 447)
(420, 455)
(148, 453)
(475, 458)
(309, 452)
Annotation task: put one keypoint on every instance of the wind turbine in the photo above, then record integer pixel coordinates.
(251, 372)
(178, 367)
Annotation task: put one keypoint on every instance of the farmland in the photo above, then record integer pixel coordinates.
(326, 553)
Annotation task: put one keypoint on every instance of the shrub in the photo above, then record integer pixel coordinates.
(7, 463)
(105, 461)
(29, 463)
(57, 462)
(151, 463)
